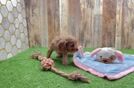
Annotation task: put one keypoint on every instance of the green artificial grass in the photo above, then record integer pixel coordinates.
(21, 71)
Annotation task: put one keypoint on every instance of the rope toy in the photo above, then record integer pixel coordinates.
(2, 49)
(48, 64)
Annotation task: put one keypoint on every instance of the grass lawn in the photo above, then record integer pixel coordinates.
(21, 71)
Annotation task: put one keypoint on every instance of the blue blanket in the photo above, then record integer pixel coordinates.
(111, 71)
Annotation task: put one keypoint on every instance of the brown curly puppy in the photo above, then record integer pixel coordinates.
(63, 45)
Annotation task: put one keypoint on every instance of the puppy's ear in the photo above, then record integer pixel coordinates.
(119, 55)
(70, 44)
(62, 45)
(94, 52)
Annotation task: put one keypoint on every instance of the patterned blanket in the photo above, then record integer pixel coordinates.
(112, 71)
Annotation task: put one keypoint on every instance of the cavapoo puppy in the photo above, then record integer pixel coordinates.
(63, 45)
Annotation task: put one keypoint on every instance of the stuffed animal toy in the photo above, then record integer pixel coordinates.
(80, 51)
(48, 64)
(107, 55)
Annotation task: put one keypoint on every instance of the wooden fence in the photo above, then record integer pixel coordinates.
(95, 23)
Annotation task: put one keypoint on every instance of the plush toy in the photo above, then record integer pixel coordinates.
(48, 64)
(107, 55)
(80, 51)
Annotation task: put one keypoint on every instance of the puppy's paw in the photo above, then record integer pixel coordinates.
(64, 63)
(59, 56)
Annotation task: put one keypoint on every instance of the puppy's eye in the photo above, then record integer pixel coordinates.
(72, 45)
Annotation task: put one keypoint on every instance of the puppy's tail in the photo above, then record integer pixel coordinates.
(49, 52)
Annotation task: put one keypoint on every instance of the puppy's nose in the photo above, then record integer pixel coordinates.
(105, 61)
(76, 49)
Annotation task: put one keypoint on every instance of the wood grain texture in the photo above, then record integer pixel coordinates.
(35, 22)
(118, 36)
(63, 12)
(32, 10)
(44, 23)
(128, 24)
(53, 19)
(95, 23)
(85, 32)
(74, 18)
(109, 23)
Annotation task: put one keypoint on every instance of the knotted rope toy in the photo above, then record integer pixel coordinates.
(2, 49)
(48, 64)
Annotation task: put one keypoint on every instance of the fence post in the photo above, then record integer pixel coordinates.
(37, 22)
(118, 24)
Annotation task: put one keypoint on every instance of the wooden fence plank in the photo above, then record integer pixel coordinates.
(53, 19)
(74, 18)
(109, 23)
(118, 24)
(128, 24)
(44, 23)
(95, 23)
(63, 7)
(33, 21)
(85, 32)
